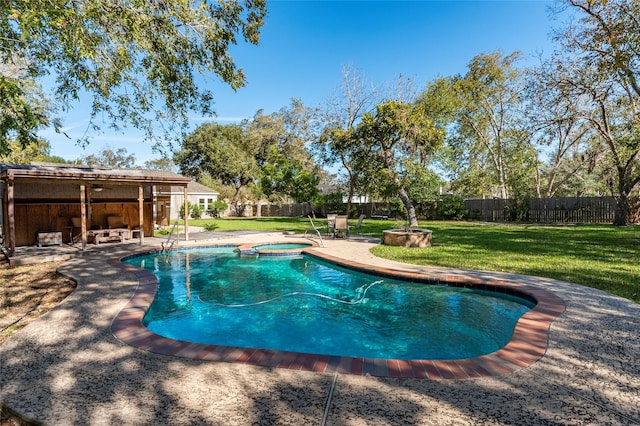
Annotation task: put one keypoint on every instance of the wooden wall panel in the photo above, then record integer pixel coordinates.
(33, 218)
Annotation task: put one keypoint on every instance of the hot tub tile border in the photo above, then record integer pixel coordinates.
(528, 344)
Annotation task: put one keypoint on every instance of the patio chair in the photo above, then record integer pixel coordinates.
(331, 223)
(342, 226)
(359, 224)
(76, 230)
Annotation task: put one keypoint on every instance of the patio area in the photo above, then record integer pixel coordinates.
(69, 368)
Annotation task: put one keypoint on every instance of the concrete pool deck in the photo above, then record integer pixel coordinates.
(69, 368)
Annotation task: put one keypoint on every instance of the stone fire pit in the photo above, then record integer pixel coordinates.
(407, 237)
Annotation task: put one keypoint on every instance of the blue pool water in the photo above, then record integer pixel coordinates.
(281, 246)
(299, 303)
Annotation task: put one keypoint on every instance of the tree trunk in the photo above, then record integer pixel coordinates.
(621, 215)
(411, 210)
(235, 201)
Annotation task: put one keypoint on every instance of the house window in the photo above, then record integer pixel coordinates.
(206, 203)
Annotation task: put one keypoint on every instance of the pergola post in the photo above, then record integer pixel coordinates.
(83, 216)
(141, 213)
(11, 212)
(186, 214)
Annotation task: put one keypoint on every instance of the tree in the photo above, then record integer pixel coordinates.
(138, 61)
(598, 67)
(119, 159)
(489, 145)
(23, 108)
(165, 164)
(38, 150)
(337, 143)
(566, 141)
(284, 175)
(398, 132)
(280, 142)
(423, 187)
(221, 152)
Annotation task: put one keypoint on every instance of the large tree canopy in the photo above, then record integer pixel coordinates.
(221, 152)
(398, 133)
(599, 69)
(490, 152)
(118, 159)
(337, 143)
(138, 60)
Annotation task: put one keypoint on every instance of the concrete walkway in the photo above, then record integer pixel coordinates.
(68, 368)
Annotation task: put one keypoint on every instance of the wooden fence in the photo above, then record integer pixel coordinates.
(286, 210)
(534, 210)
(545, 210)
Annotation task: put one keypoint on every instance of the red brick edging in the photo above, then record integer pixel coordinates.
(527, 345)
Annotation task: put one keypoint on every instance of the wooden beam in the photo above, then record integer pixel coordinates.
(141, 212)
(11, 217)
(89, 208)
(83, 216)
(186, 214)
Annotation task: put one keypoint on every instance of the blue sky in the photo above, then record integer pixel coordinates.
(305, 44)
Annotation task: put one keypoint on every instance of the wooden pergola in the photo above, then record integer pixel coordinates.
(41, 197)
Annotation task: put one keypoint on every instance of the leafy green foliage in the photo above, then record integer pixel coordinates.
(598, 69)
(119, 159)
(491, 154)
(218, 207)
(451, 207)
(211, 226)
(284, 175)
(266, 156)
(165, 164)
(222, 153)
(140, 60)
(23, 109)
(195, 211)
(37, 150)
(397, 134)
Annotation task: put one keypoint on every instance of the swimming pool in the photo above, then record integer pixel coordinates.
(274, 249)
(302, 304)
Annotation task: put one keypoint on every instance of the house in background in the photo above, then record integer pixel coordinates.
(43, 198)
(170, 200)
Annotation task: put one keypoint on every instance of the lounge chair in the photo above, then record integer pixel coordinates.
(359, 225)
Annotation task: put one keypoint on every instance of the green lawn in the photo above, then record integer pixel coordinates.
(598, 256)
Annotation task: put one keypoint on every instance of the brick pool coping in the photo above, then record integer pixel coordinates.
(527, 345)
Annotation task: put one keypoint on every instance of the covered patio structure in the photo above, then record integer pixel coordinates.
(44, 203)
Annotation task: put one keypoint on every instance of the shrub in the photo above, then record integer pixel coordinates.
(517, 209)
(218, 207)
(211, 226)
(452, 207)
(196, 211)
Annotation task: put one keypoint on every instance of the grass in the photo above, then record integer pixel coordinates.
(275, 224)
(599, 256)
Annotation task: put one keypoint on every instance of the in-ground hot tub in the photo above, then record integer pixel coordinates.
(407, 237)
(275, 249)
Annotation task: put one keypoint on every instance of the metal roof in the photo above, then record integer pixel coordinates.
(89, 173)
